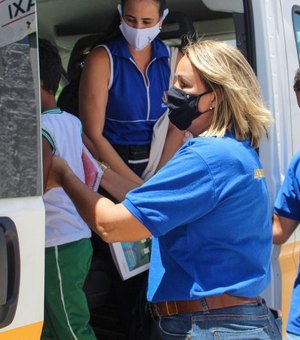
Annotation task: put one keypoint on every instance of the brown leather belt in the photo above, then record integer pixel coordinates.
(169, 308)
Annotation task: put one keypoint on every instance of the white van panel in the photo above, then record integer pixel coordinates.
(292, 66)
(272, 73)
(16, 21)
(276, 60)
(29, 218)
(225, 5)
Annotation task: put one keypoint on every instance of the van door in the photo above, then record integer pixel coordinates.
(291, 14)
(289, 254)
(277, 62)
(21, 206)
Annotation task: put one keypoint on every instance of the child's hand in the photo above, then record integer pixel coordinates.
(59, 168)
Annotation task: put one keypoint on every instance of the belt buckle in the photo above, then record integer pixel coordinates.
(168, 304)
(154, 309)
(164, 308)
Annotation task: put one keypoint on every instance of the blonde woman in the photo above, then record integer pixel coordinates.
(207, 209)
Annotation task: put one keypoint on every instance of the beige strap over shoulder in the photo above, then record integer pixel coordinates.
(160, 128)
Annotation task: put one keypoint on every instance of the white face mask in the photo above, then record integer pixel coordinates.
(139, 38)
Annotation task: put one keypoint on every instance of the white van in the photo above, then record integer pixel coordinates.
(268, 33)
(22, 220)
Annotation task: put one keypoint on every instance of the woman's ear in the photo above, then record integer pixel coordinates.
(218, 95)
(217, 98)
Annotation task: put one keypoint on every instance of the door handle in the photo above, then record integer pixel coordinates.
(9, 270)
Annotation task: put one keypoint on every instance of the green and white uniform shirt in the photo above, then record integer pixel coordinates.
(63, 132)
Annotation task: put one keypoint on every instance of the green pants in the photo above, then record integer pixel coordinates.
(66, 309)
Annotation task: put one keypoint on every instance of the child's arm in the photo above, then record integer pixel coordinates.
(47, 160)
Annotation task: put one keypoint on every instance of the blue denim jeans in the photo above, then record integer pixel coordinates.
(249, 321)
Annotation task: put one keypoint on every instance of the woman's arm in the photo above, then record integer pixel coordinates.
(112, 222)
(116, 185)
(93, 97)
(90, 146)
(112, 182)
(283, 228)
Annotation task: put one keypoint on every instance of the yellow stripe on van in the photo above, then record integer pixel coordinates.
(30, 332)
(288, 260)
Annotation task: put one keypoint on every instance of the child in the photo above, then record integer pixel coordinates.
(68, 247)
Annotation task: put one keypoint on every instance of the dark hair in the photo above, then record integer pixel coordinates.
(50, 65)
(297, 80)
(162, 5)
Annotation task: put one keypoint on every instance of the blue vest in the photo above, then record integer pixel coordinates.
(133, 106)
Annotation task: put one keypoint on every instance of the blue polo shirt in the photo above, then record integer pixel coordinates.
(287, 204)
(209, 212)
(135, 102)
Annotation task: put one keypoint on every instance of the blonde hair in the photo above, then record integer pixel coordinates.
(239, 106)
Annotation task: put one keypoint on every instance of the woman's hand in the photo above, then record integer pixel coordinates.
(59, 168)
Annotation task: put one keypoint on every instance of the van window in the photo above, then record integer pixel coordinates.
(20, 155)
(296, 22)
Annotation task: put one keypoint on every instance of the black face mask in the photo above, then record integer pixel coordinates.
(183, 107)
